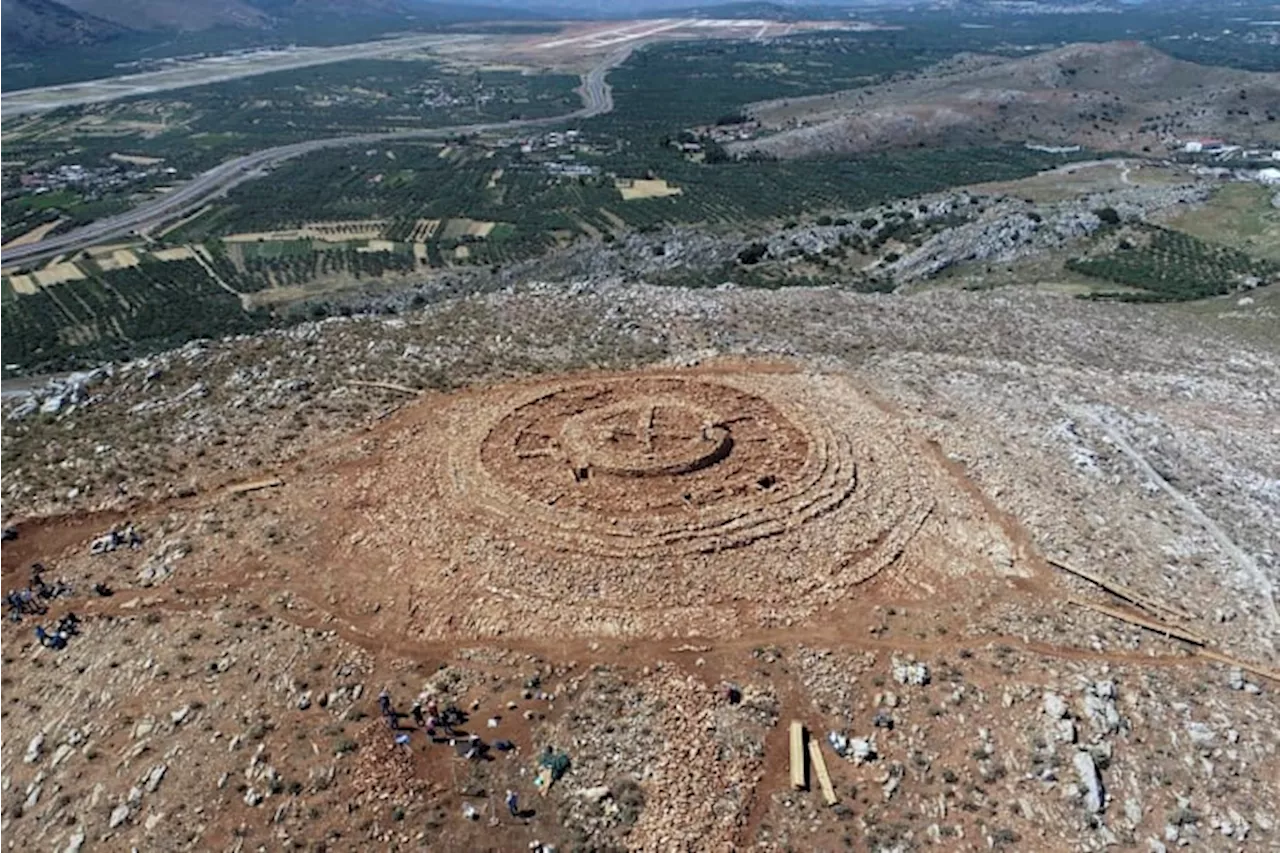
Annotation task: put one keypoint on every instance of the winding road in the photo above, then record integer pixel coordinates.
(597, 99)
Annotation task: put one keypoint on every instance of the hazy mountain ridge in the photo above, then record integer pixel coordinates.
(35, 24)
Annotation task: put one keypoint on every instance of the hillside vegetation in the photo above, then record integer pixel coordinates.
(1119, 96)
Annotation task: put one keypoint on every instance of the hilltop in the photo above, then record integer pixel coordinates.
(1116, 96)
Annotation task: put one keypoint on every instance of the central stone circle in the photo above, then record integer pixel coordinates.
(657, 437)
(651, 463)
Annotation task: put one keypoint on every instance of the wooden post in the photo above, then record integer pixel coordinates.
(798, 776)
(254, 486)
(820, 770)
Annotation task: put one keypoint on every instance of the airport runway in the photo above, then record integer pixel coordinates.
(213, 69)
(597, 99)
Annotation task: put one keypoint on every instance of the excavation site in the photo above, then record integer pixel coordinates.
(935, 589)
(646, 504)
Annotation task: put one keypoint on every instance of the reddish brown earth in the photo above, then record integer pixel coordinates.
(627, 544)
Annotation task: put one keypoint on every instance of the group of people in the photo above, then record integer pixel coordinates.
(67, 626)
(427, 715)
(113, 539)
(30, 601)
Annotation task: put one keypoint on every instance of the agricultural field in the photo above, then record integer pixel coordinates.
(115, 301)
(536, 203)
(112, 310)
(1156, 264)
(1239, 215)
(78, 164)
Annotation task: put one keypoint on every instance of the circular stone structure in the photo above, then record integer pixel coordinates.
(657, 437)
(646, 466)
(643, 502)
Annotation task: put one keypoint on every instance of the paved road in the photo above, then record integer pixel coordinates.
(597, 99)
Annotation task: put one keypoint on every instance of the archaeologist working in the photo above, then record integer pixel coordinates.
(513, 805)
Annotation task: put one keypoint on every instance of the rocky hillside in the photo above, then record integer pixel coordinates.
(167, 15)
(1114, 96)
(34, 24)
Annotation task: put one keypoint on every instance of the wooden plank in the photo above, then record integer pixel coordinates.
(820, 770)
(1142, 622)
(798, 779)
(386, 386)
(255, 485)
(1121, 591)
(1256, 669)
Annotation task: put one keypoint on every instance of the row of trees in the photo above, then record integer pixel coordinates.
(1172, 266)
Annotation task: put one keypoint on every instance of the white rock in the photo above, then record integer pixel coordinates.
(914, 674)
(60, 755)
(1095, 796)
(76, 841)
(34, 748)
(155, 776)
(179, 716)
(1201, 734)
(1055, 706)
(594, 795)
(118, 815)
(1065, 731)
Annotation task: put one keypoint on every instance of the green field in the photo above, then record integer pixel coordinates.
(1239, 215)
(118, 313)
(196, 128)
(1169, 266)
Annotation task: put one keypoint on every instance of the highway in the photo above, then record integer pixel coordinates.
(597, 99)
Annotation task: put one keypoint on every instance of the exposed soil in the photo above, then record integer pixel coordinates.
(655, 570)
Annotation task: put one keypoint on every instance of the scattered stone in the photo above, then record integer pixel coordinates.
(1090, 780)
(34, 749)
(910, 673)
(76, 841)
(179, 716)
(61, 754)
(253, 797)
(155, 777)
(118, 815)
(1055, 706)
(594, 795)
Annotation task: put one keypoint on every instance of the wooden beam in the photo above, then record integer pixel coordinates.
(255, 485)
(820, 770)
(1142, 622)
(1121, 591)
(386, 386)
(798, 777)
(1254, 668)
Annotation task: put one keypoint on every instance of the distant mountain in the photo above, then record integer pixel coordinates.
(30, 25)
(173, 15)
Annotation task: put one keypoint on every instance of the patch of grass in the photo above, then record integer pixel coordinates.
(1169, 266)
(1238, 215)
